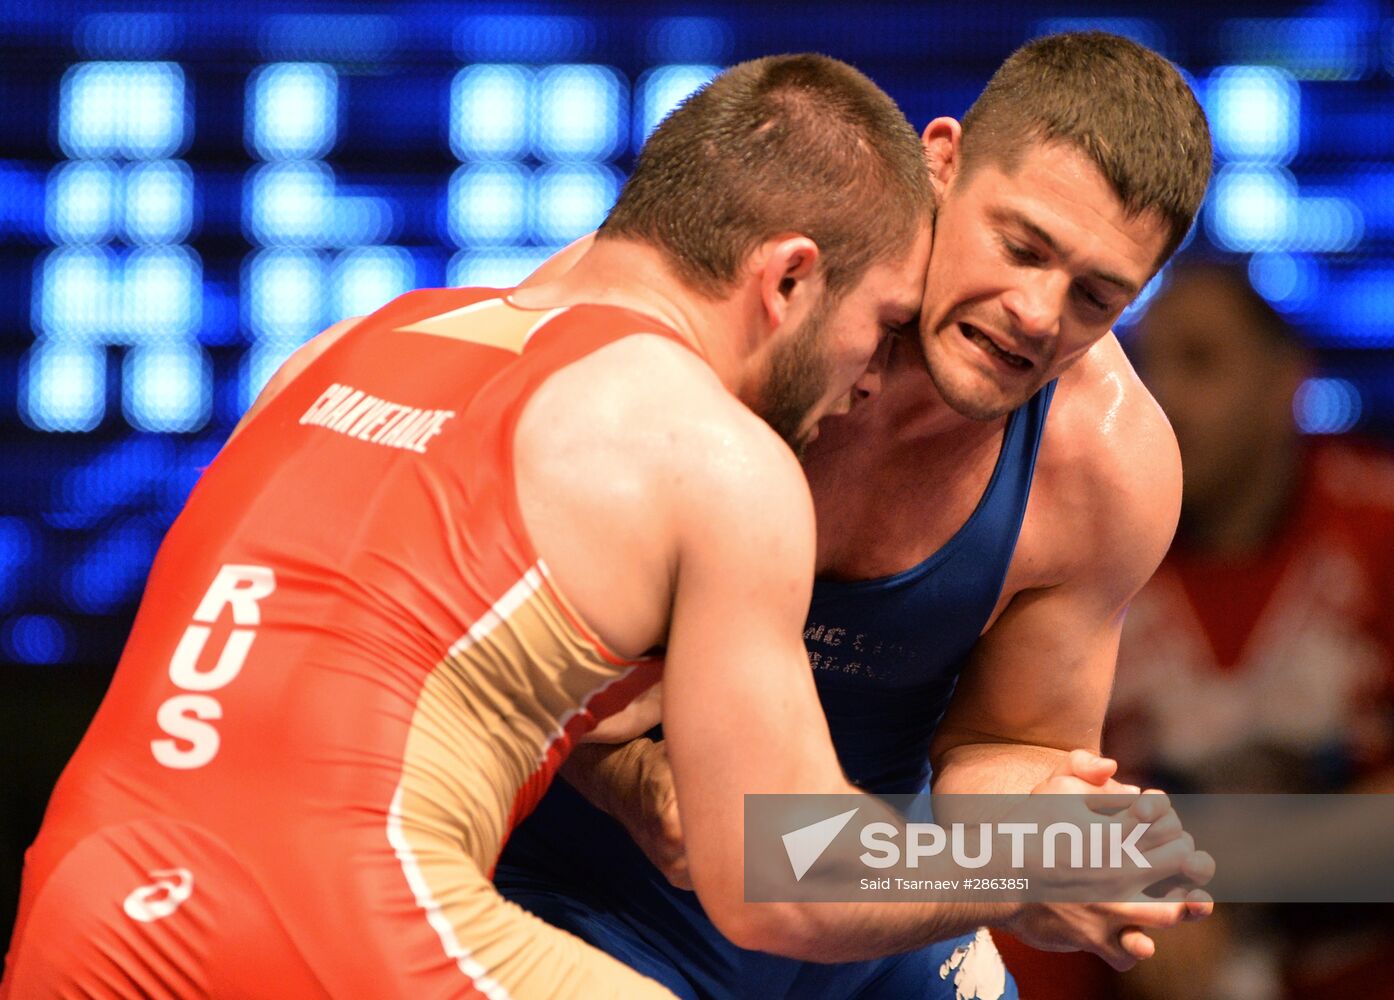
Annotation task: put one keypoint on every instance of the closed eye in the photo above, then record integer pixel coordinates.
(1021, 254)
(1093, 301)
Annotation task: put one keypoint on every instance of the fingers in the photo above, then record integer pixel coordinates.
(1199, 905)
(1151, 806)
(1083, 772)
(1161, 830)
(1115, 787)
(1136, 944)
(1122, 934)
(670, 857)
(669, 852)
(1118, 950)
(1171, 858)
(1154, 914)
(1179, 906)
(1192, 869)
(671, 826)
(1086, 765)
(1090, 766)
(1112, 801)
(1199, 867)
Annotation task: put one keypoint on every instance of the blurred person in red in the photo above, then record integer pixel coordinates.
(1258, 659)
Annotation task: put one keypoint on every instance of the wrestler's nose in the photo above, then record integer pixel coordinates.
(869, 384)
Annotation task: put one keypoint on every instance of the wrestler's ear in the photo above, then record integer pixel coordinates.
(942, 140)
(790, 279)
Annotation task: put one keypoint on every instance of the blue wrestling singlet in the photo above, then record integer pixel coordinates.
(886, 655)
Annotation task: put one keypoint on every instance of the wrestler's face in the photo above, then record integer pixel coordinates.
(815, 370)
(1031, 267)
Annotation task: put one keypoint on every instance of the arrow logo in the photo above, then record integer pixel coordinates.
(807, 844)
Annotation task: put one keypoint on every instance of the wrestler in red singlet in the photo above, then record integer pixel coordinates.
(350, 676)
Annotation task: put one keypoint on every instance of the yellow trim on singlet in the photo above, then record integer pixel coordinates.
(488, 712)
(493, 323)
(483, 720)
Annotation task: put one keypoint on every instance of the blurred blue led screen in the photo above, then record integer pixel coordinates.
(190, 191)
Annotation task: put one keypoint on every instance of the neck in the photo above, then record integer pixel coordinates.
(634, 275)
(1240, 520)
(907, 411)
(914, 408)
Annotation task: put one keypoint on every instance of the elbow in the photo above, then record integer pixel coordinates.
(806, 931)
(785, 929)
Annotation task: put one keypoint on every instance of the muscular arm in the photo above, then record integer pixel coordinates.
(1036, 687)
(1038, 683)
(742, 716)
(741, 712)
(668, 513)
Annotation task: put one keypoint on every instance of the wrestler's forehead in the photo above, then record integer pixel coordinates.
(897, 283)
(1055, 191)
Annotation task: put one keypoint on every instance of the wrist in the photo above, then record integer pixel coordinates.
(625, 781)
(606, 775)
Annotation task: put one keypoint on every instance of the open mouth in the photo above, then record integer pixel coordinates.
(987, 344)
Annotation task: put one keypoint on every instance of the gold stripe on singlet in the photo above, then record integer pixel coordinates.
(492, 323)
(482, 726)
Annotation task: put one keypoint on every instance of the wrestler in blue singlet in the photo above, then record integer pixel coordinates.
(886, 655)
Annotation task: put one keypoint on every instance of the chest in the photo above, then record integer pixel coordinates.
(884, 507)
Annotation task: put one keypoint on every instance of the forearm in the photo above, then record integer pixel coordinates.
(994, 768)
(607, 774)
(847, 931)
(610, 776)
(857, 932)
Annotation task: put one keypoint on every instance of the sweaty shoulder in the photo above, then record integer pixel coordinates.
(630, 455)
(649, 400)
(1111, 461)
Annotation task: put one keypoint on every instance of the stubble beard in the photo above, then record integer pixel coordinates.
(973, 401)
(798, 379)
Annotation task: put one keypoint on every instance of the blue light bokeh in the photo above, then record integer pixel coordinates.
(35, 639)
(489, 111)
(571, 200)
(84, 199)
(1326, 406)
(488, 204)
(578, 113)
(159, 202)
(661, 89)
(1255, 113)
(292, 111)
(187, 197)
(130, 109)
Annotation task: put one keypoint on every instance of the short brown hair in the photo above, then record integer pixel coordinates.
(793, 143)
(1121, 104)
